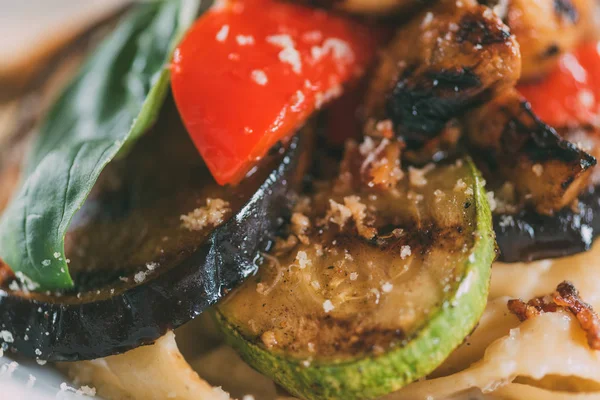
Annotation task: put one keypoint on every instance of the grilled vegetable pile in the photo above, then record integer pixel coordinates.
(335, 185)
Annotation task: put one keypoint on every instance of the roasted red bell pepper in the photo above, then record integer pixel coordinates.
(250, 72)
(570, 95)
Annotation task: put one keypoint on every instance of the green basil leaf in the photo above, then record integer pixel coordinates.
(114, 99)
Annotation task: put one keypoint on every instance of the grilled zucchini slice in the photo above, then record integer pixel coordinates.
(378, 290)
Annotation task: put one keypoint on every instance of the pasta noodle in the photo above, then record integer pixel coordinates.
(157, 372)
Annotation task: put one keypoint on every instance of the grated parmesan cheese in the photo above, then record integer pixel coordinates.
(300, 223)
(387, 287)
(139, 277)
(328, 306)
(491, 200)
(289, 54)
(26, 282)
(244, 40)
(151, 266)
(82, 391)
(587, 233)
(460, 185)
(405, 251)
(537, 169)
(223, 33)
(338, 213)
(299, 100)
(303, 260)
(269, 339)
(86, 391)
(210, 215)
(339, 50)
(7, 336)
(259, 76)
(427, 20)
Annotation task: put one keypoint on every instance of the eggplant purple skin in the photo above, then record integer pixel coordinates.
(528, 236)
(63, 329)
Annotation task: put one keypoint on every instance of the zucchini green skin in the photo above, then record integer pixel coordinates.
(374, 376)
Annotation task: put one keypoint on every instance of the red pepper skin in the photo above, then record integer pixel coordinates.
(249, 73)
(570, 95)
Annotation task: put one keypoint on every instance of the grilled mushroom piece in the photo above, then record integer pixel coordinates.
(524, 235)
(444, 62)
(511, 144)
(546, 29)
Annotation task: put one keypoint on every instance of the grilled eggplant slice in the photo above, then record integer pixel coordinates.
(442, 63)
(137, 270)
(512, 144)
(529, 236)
(381, 286)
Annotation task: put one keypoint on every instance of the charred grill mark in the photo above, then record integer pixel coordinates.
(420, 111)
(566, 9)
(511, 144)
(344, 337)
(475, 30)
(540, 141)
(354, 339)
(423, 240)
(333, 336)
(460, 58)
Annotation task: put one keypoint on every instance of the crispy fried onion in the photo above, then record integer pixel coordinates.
(565, 297)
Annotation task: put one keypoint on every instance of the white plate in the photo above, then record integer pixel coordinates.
(22, 379)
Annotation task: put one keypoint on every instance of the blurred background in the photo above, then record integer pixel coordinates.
(31, 30)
